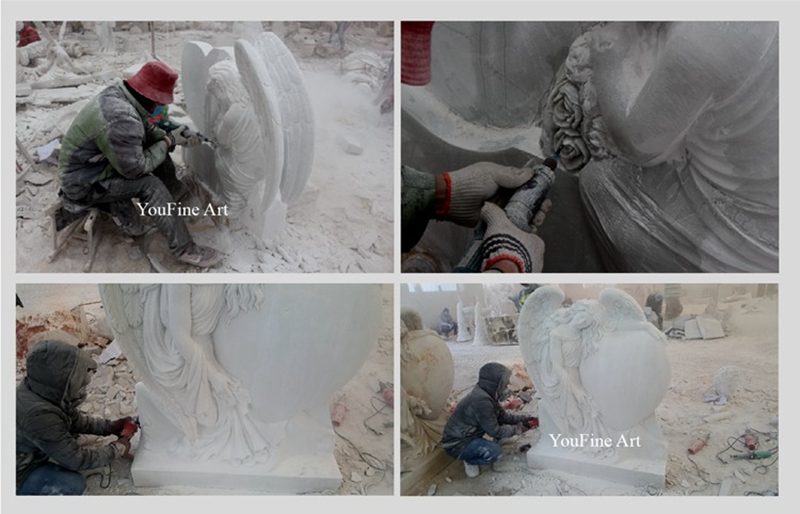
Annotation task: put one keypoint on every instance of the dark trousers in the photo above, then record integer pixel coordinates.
(151, 190)
(53, 480)
(480, 452)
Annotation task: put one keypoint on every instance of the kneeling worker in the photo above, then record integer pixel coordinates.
(49, 458)
(114, 152)
(479, 414)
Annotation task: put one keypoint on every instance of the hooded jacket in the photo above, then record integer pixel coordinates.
(480, 413)
(110, 137)
(47, 414)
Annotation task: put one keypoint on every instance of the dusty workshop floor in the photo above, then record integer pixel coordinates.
(364, 447)
(752, 346)
(343, 221)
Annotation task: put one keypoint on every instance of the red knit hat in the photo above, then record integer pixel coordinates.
(155, 81)
(415, 53)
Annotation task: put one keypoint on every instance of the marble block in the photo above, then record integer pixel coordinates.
(236, 378)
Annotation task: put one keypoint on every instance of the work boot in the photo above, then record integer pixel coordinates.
(179, 191)
(64, 218)
(200, 256)
(472, 470)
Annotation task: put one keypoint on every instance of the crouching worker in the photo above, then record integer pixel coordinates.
(49, 457)
(114, 152)
(479, 414)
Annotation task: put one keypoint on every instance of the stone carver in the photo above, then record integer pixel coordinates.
(480, 414)
(49, 456)
(113, 152)
(221, 401)
(600, 370)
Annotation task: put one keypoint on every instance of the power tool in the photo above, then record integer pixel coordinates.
(761, 454)
(130, 428)
(169, 126)
(520, 209)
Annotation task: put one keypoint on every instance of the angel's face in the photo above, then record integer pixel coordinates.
(581, 320)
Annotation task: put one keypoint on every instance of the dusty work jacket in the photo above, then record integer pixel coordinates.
(110, 137)
(47, 415)
(480, 413)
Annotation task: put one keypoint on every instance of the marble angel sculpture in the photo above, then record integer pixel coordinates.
(673, 127)
(225, 398)
(599, 368)
(251, 100)
(175, 357)
(427, 373)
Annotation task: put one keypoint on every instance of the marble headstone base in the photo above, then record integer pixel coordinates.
(294, 475)
(643, 463)
(635, 472)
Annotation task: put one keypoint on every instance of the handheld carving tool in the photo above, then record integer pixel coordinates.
(520, 209)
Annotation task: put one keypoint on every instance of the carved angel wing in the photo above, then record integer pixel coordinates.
(124, 306)
(625, 314)
(534, 325)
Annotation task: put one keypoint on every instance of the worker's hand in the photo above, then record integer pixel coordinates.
(178, 137)
(121, 447)
(521, 428)
(193, 138)
(507, 248)
(471, 186)
(115, 427)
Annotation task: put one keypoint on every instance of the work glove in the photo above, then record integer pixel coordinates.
(521, 428)
(505, 242)
(531, 422)
(177, 136)
(115, 427)
(192, 138)
(469, 187)
(121, 447)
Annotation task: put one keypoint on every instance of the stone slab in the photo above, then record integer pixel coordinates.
(637, 472)
(294, 475)
(710, 328)
(692, 330)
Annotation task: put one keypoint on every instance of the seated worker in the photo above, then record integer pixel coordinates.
(446, 323)
(113, 152)
(479, 414)
(49, 457)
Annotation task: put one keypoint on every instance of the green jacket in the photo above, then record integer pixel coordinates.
(110, 137)
(417, 194)
(47, 415)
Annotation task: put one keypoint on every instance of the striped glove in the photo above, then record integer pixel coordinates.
(504, 243)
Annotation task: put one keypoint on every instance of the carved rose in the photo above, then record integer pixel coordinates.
(577, 66)
(566, 106)
(595, 134)
(574, 151)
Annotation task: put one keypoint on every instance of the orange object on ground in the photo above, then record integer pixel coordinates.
(698, 445)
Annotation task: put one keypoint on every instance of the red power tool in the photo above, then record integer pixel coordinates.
(130, 428)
